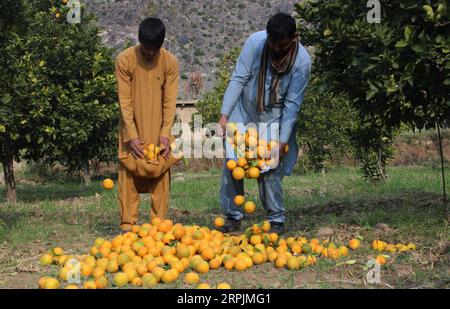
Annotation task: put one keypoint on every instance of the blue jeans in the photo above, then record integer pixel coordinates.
(270, 194)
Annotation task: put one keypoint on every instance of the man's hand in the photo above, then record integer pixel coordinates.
(136, 148)
(223, 125)
(165, 141)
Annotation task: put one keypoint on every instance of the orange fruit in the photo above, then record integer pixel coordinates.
(51, 284)
(223, 286)
(239, 200)
(191, 278)
(158, 272)
(258, 258)
(281, 261)
(255, 240)
(240, 265)
(219, 222)
(343, 251)
(169, 276)
(90, 285)
(203, 286)
(231, 165)
(214, 263)
(156, 221)
(354, 243)
(202, 267)
(179, 232)
(108, 184)
(149, 281)
(249, 207)
(46, 260)
(242, 162)
(378, 245)
(58, 251)
(381, 259)
(265, 226)
(120, 279)
(253, 173)
(98, 272)
(238, 173)
(101, 282)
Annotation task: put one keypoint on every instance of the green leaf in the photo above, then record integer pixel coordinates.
(418, 47)
(370, 94)
(350, 262)
(447, 82)
(2, 128)
(407, 33)
(429, 11)
(401, 44)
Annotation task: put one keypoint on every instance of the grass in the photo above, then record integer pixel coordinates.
(72, 216)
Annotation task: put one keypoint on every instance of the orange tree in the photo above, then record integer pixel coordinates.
(394, 72)
(57, 89)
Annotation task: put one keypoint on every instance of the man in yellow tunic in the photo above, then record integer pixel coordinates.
(147, 80)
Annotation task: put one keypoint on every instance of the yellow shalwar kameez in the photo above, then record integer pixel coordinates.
(147, 95)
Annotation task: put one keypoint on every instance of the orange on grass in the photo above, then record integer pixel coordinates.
(108, 184)
(354, 243)
(191, 278)
(219, 222)
(249, 207)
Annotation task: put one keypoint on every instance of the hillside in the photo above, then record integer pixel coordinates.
(198, 32)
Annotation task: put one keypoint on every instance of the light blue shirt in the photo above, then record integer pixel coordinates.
(239, 102)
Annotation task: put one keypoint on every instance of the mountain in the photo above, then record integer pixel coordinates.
(198, 32)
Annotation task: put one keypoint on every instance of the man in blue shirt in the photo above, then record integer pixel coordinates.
(267, 87)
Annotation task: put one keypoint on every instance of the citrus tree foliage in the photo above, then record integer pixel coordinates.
(394, 72)
(325, 124)
(209, 106)
(57, 87)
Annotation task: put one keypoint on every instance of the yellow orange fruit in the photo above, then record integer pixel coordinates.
(219, 222)
(381, 259)
(242, 162)
(223, 286)
(108, 184)
(253, 173)
(46, 260)
(149, 281)
(90, 285)
(203, 286)
(191, 278)
(378, 245)
(249, 207)
(202, 267)
(120, 279)
(354, 243)
(51, 284)
(238, 173)
(231, 165)
(239, 200)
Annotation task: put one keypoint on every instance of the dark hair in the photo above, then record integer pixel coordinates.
(152, 32)
(281, 26)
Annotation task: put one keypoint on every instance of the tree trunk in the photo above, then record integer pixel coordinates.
(86, 173)
(8, 170)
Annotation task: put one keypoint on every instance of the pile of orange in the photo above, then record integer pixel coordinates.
(162, 252)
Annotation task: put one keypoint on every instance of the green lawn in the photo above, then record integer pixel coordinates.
(72, 216)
